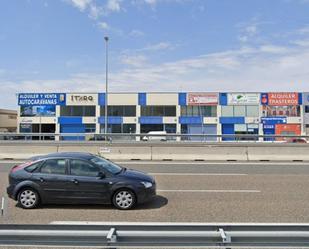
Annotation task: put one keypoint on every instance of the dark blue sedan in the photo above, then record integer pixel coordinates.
(78, 178)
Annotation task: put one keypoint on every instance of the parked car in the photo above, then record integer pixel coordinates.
(155, 136)
(297, 140)
(78, 178)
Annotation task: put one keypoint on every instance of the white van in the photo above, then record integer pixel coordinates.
(156, 137)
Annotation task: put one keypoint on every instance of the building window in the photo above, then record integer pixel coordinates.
(307, 109)
(205, 111)
(79, 111)
(119, 111)
(240, 111)
(120, 128)
(162, 111)
(289, 111)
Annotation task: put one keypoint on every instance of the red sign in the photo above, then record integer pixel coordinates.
(280, 99)
(202, 99)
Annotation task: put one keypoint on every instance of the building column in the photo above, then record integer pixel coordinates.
(219, 127)
(138, 125)
(97, 115)
(57, 128)
(178, 125)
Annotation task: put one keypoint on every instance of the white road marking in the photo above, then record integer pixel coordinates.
(195, 174)
(209, 190)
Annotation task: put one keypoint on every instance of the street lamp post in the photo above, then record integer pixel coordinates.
(106, 87)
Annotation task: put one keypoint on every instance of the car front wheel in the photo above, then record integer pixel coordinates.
(28, 198)
(124, 199)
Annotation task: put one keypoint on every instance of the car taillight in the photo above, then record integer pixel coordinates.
(20, 166)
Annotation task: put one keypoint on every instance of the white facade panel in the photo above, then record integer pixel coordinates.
(162, 99)
(37, 120)
(170, 120)
(252, 120)
(123, 99)
(89, 120)
(129, 120)
(294, 120)
(82, 99)
(210, 120)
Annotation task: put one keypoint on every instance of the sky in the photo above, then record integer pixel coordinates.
(154, 45)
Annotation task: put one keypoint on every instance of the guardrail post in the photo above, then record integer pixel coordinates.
(225, 238)
(112, 236)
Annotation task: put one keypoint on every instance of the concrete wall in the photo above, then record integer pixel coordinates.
(163, 151)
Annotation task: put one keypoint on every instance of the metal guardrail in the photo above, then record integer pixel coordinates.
(110, 137)
(155, 235)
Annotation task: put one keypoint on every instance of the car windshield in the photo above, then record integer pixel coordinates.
(108, 165)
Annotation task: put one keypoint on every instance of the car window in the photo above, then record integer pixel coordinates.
(83, 168)
(33, 167)
(54, 166)
(107, 165)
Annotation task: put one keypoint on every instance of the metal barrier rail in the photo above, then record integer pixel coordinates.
(139, 136)
(155, 235)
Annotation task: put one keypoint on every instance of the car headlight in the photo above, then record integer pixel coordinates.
(147, 184)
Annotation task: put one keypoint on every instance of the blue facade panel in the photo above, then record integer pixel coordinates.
(151, 120)
(142, 99)
(111, 120)
(72, 128)
(101, 99)
(70, 120)
(300, 98)
(182, 99)
(232, 120)
(190, 120)
(228, 129)
(274, 120)
(223, 98)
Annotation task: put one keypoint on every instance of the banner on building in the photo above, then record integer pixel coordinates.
(280, 99)
(81, 99)
(274, 120)
(243, 98)
(38, 111)
(40, 99)
(202, 99)
(288, 111)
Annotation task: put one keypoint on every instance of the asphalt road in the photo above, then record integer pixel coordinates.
(193, 192)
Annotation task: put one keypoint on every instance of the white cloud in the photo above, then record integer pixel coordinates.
(103, 25)
(133, 60)
(113, 5)
(82, 5)
(136, 33)
(158, 46)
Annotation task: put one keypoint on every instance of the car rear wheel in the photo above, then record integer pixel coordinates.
(28, 198)
(124, 199)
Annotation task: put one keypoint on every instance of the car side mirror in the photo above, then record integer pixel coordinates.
(101, 175)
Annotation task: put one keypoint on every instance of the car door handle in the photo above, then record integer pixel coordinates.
(41, 179)
(74, 181)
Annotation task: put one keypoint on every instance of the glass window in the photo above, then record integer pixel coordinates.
(240, 111)
(54, 166)
(65, 110)
(307, 109)
(170, 111)
(83, 168)
(129, 111)
(161, 111)
(227, 111)
(107, 165)
(129, 128)
(89, 111)
(77, 111)
(252, 111)
(33, 167)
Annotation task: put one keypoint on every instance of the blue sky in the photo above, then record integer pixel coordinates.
(155, 45)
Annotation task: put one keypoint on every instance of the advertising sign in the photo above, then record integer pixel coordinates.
(81, 99)
(38, 111)
(274, 120)
(289, 111)
(202, 99)
(39, 99)
(243, 98)
(280, 99)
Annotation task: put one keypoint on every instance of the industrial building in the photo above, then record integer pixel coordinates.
(208, 113)
(8, 120)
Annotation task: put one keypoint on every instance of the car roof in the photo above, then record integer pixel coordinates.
(77, 155)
